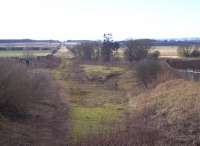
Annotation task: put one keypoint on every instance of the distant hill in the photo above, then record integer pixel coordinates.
(27, 41)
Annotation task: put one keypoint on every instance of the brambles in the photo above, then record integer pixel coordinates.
(20, 88)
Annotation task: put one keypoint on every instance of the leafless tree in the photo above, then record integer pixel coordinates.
(185, 50)
(137, 49)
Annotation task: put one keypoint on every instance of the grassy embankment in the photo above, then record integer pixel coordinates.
(174, 108)
(94, 107)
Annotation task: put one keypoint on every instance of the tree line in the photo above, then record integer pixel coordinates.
(136, 52)
(108, 50)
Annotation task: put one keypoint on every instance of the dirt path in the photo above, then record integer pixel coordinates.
(64, 52)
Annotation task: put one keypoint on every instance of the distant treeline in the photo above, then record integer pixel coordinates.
(27, 41)
(169, 42)
(23, 48)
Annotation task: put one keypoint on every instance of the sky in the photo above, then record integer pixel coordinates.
(90, 19)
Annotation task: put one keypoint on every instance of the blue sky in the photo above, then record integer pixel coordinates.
(89, 19)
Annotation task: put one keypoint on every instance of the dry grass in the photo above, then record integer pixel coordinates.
(166, 51)
(176, 110)
(167, 115)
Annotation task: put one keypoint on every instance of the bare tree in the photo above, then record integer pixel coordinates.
(185, 50)
(196, 51)
(137, 49)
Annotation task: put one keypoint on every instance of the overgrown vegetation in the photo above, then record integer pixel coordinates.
(110, 103)
(30, 106)
(147, 71)
(19, 88)
(95, 107)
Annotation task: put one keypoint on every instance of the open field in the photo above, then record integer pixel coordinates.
(167, 51)
(23, 53)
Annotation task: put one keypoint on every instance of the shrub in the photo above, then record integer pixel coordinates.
(147, 71)
(154, 55)
(20, 88)
(195, 53)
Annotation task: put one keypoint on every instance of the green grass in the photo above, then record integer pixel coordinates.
(23, 53)
(93, 120)
(94, 107)
(95, 95)
(100, 70)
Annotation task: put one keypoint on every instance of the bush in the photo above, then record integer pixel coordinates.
(195, 53)
(147, 71)
(20, 88)
(154, 55)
